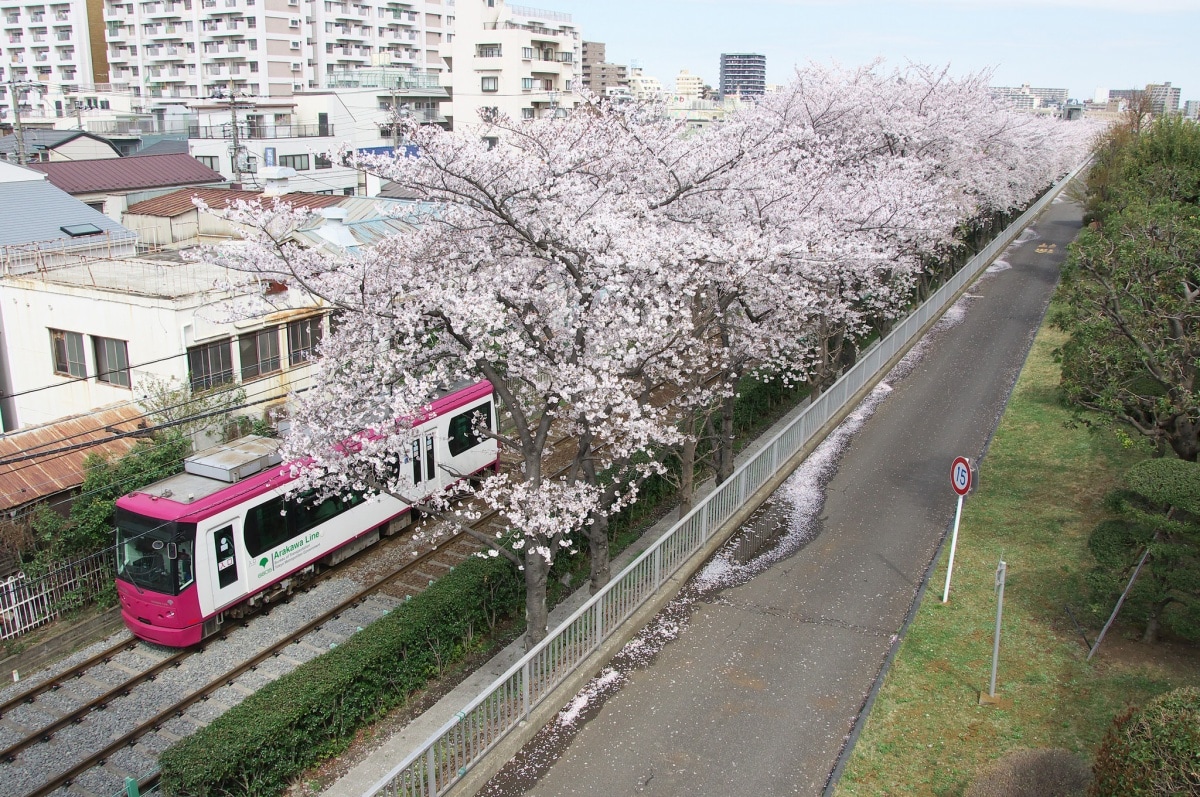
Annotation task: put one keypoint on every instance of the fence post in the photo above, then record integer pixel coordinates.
(526, 691)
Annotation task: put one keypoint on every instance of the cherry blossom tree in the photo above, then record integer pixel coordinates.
(615, 278)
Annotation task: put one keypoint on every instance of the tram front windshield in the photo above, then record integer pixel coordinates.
(154, 555)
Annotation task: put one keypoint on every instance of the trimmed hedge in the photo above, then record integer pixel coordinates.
(257, 747)
(1153, 750)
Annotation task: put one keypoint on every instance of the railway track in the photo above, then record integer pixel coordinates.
(84, 731)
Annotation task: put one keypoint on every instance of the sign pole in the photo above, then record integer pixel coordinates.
(1001, 572)
(953, 545)
(961, 479)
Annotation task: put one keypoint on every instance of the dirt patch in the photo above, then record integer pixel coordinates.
(1033, 773)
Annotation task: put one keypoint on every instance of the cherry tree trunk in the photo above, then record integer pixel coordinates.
(725, 441)
(536, 614)
(687, 476)
(601, 569)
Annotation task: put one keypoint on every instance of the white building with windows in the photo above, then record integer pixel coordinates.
(188, 49)
(45, 44)
(92, 335)
(643, 87)
(513, 60)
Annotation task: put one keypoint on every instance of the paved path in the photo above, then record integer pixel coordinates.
(762, 688)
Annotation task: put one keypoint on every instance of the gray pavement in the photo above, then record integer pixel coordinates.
(762, 689)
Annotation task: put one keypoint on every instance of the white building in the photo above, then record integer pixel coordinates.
(240, 137)
(513, 60)
(688, 87)
(91, 335)
(644, 88)
(44, 43)
(189, 49)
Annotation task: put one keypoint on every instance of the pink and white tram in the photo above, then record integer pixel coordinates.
(214, 541)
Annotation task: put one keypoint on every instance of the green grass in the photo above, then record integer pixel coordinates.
(1042, 482)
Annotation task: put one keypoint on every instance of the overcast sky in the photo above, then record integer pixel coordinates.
(1079, 45)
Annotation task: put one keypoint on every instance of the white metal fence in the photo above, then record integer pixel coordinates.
(29, 603)
(487, 719)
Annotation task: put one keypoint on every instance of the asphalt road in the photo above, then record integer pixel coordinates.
(762, 688)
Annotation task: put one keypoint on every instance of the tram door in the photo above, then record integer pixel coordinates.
(224, 581)
(423, 461)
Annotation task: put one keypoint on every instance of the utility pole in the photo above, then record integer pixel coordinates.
(18, 129)
(237, 149)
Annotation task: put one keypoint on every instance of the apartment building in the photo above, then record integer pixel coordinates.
(1029, 98)
(597, 75)
(643, 87)
(688, 87)
(512, 60)
(190, 49)
(47, 42)
(744, 74)
(1164, 98)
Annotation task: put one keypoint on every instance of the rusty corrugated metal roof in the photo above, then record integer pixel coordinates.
(177, 202)
(127, 174)
(28, 480)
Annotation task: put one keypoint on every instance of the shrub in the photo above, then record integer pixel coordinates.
(1154, 750)
(258, 746)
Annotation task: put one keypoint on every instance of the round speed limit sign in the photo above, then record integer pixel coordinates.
(960, 475)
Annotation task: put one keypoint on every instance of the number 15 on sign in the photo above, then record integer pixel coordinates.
(961, 478)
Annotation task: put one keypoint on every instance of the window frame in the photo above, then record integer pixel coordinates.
(492, 81)
(298, 162)
(265, 362)
(62, 360)
(207, 378)
(105, 350)
(303, 335)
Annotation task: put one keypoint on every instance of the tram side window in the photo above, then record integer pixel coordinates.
(463, 435)
(306, 513)
(266, 527)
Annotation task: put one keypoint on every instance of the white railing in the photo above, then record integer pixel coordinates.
(485, 721)
(29, 603)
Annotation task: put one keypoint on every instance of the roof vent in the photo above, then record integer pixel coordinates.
(335, 230)
(231, 462)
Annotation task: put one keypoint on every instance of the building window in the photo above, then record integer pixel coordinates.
(112, 361)
(322, 162)
(68, 353)
(259, 352)
(527, 83)
(210, 365)
(490, 83)
(211, 161)
(487, 50)
(303, 337)
(297, 162)
(526, 113)
(527, 53)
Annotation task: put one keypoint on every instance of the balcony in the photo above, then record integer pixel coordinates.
(246, 131)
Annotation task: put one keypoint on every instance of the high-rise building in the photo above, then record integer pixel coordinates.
(744, 74)
(1164, 98)
(513, 60)
(597, 75)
